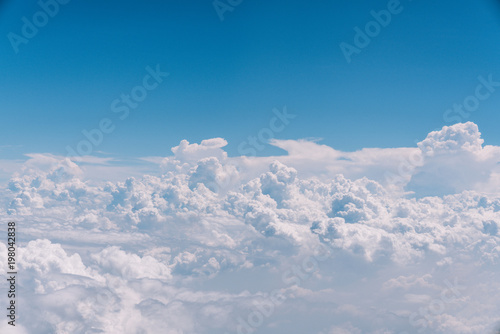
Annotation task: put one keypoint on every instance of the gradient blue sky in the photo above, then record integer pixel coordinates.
(227, 76)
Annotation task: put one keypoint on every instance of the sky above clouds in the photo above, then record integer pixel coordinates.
(226, 167)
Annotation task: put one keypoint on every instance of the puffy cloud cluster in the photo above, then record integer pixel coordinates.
(455, 160)
(215, 244)
(452, 139)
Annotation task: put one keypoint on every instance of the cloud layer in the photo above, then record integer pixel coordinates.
(400, 240)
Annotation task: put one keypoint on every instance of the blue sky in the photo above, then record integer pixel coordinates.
(227, 76)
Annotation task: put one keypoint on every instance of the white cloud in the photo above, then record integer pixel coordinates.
(114, 260)
(198, 247)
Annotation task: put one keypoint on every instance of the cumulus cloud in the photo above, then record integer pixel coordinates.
(335, 242)
(455, 160)
(129, 266)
